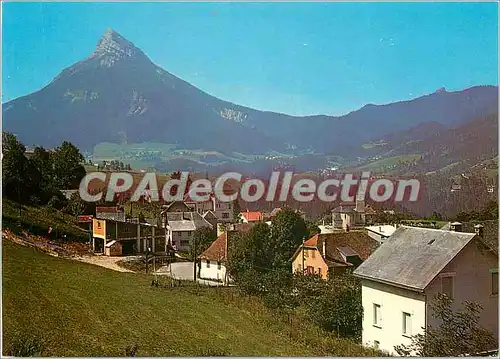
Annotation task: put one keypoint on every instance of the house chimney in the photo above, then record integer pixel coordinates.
(478, 228)
(456, 227)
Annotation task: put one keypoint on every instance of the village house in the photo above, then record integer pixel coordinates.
(114, 237)
(212, 265)
(249, 217)
(181, 226)
(352, 214)
(332, 253)
(180, 206)
(222, 210)
(402, 277)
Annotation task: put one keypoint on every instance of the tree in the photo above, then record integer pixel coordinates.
(20, 178)
(436, 216)
(236, 211)
(42, 161)
(251, 252)
(203, 237)
(76, 205)
(288, 229)
(335, 305)
(312, 228)
(68, 169)
(459, 332)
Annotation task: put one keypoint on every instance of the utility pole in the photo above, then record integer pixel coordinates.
(194, 255)
(148, 251)
(303, 258)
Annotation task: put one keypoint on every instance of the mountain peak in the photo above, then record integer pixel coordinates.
(114, 46)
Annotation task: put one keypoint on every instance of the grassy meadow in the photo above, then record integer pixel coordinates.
(70, 308)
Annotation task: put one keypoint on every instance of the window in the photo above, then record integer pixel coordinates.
(313, 253)
(377, 319)
(310, 270)
(319, 271)
(306, 253)
(189, 234)
(218, 265)
(494, 283)
(208, 263)
(184, 243)
(217, 205)
(406, 324)
(225, 215)
(447, 285)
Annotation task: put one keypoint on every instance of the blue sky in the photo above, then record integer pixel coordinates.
(295, 58)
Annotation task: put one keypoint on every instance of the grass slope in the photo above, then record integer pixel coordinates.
(39, 219)
(84, 310)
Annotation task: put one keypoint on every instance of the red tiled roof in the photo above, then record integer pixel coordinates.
(358, 241)
(311, 242)
(217, 250)
(252, 216)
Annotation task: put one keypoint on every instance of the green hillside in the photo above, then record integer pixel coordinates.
(38, 219)
(78, 309)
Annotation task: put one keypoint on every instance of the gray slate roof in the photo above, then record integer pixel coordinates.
(412, 257)
(186, 221)
(182, 226)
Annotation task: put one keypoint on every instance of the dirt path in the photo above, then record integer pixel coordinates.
(104, 261)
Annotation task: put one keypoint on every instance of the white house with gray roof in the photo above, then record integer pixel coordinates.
(181, 226)
(400, 279)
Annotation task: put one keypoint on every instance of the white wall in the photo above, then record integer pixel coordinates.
(471, 282)
(212, 272)
(376, 236)
(393, 302)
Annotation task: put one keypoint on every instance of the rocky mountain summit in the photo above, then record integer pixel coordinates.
(118, 94)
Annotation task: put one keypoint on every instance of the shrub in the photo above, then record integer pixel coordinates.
(131, 350)
(57, 202)
(26, 345)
